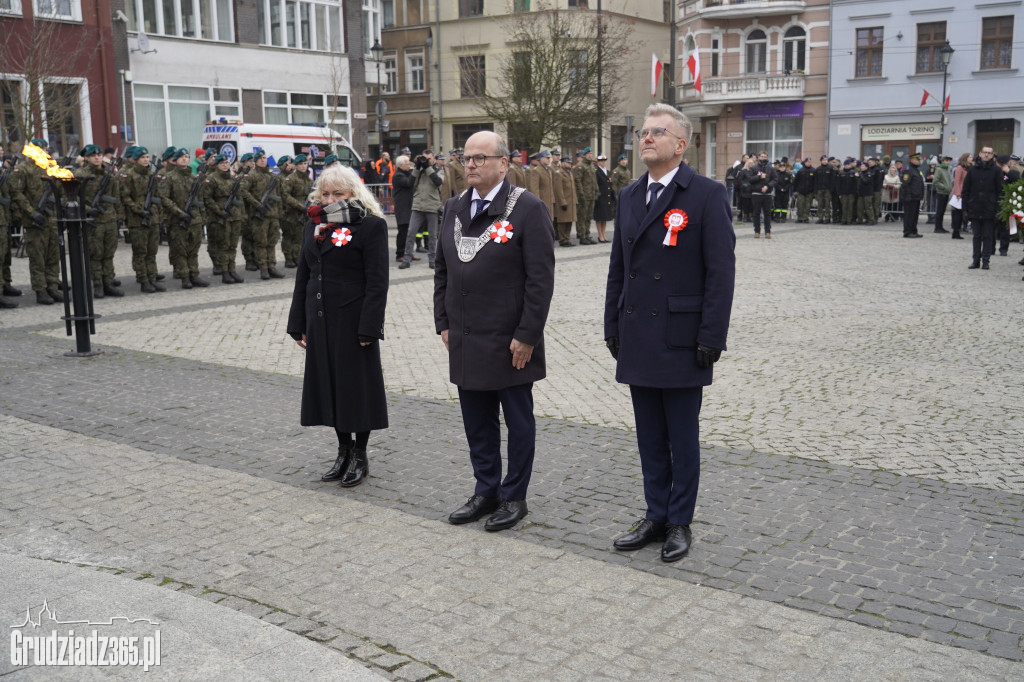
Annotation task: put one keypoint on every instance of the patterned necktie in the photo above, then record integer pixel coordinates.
(480, 204)
(655, 189)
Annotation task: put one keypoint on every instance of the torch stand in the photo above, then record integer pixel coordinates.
(71, 222)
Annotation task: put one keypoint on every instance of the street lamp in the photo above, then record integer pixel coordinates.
(945, 52)
(378, 52)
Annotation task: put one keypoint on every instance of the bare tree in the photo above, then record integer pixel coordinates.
(547, 86)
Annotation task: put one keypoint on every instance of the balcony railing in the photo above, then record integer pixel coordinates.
(749, 87)
(725, 9)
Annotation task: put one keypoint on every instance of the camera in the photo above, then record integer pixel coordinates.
(422, 162)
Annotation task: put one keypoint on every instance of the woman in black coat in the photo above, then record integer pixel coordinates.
(604, 205)
(337, 315)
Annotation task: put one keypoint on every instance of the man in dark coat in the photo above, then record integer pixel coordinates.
(983, 187)
(494, 277)
(401, 183)
(912, 189)
(666, 316)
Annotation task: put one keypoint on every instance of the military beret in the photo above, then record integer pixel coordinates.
(283, 159)
(90, 149)
(587, 150)
(246, 157)
(299, 158)
(39, 142)
(169, 153)
(219, 158)
(139, 151)
(329, 159)
(515, 153)
(622, 156)
(210, 153)
(258, 154)
(178, 153)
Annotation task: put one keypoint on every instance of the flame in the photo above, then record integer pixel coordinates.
(44, 160)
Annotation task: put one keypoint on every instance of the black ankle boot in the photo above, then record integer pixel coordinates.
(358, 469)
(340, 464)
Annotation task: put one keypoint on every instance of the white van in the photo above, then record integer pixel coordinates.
(235, 138)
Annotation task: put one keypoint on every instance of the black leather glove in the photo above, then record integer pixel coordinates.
(261, 210)
(38, 219)
(707, 356)
(188, 218)
(93, 213)
(147, 213)
(565, 207)
(613, 346)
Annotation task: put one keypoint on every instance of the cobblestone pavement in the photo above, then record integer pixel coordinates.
(860, 465)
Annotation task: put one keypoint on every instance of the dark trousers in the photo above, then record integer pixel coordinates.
(667, 434)
(941, 201)
(403, 234)
(911, 209)
(762, 204)
(956, 219)
(483, 432)
(984, 238)
(1002, 232)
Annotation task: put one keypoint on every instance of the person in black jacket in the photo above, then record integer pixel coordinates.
(743, 178)
(401, 183)
(982, 190)
(849, 179)
(1010, 176)
(762, 180)
(803, 187)
(337, 316)
(824, 181)
(782, 191)
(865, 209)
(912, 190)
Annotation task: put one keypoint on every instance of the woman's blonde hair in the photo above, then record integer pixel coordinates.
(344, 178)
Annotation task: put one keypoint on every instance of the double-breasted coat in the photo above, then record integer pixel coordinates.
(604, 205)
(661, 301)
(503, 293)
(339, 299)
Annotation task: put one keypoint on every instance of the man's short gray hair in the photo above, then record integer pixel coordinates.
(401, 161)
(660, 109)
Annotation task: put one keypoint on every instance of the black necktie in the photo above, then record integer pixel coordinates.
(481, 204)
(655, 189)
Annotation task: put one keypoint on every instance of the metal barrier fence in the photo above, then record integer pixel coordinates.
(891, 207)
(383, 194)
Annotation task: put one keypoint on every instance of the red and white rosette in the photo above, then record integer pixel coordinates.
(341, 236)
(501, 231)
(675, 222)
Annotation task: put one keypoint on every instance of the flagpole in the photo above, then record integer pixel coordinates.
(946, 52)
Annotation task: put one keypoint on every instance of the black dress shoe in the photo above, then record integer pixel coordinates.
(941, 230)
(358, 469)
(984, 266)
(643, 533)
(956, 235)
(340, 464)
(508, 514)
(477, 507)
(974, 266)
(677, 543)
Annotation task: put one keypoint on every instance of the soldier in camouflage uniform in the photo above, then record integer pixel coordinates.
(265, 216)
(102, 219)
(285, 169)
(5, 235)
(143, 232)
(39, 226)
(586, 194)
(185, 230)
(246, 165)
(294, 195)
(620, 176)
(162, 197)
(224, 218)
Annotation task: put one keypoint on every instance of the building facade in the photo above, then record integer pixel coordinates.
(259, 61)
(406, 38)
(58, 77)
(888, 76)
(764, 79)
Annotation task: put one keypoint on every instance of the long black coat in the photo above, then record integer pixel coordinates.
(340, 295)
(402, 184)
(503, 293)
(604, 206)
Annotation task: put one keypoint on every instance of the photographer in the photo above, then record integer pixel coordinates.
(426, 200)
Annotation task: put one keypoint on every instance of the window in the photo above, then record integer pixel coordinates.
(388, 13)
(70, 10)
(302, 107)
(777, 136)
(522, 74)
(869, 52)
(299, 24)
(473, 75)
(462, 132)
(520, 5)
(203, 19)
(996, 42)
(390, 73)
(579, 4)
(930, 37)
(371, 23)
(227, 102)
(757, 52)
(471, 8)
(10, 6)
(579, 75)
(794, 50)
(716, 56)
(63, 113)
(415, 74)
(690, 47)
(178, 113)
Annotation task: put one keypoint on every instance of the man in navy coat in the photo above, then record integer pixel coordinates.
(667, 308)
(493, 280)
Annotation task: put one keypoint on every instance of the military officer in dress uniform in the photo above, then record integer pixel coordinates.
(565, 205)
(912, 189)
(604, 204)
(495, 244)
(667, 307)
(454, 176)
(539, 181)
(516, 174)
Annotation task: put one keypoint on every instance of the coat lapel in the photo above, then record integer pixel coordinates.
(656, 214)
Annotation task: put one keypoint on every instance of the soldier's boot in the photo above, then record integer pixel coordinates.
(217, 270)
(273, 272)
(55, 295)
(156, 285)
(7, 303)
(238, 278)
(264, 273)
(147, 287)
(112, 290)
(226, 278)
(198, 281)
(97, 291)
(186, 283)
(43, 298)
(160, 278)
(115, 282)
(250, 266)
(289, 263)
(11, 291)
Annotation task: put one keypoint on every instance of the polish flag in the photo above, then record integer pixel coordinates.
(693, 63)
(945, 106)
(924, 98)
(655, 74)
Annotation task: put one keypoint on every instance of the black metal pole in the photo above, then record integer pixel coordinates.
(70, 222)
(942, 109)
(600, 60)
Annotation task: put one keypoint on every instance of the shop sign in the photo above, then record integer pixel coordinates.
(899, 131)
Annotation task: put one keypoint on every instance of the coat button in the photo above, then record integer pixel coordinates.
(629, 309)
(463, 292)
(465, 332)
(319, 313)
(632, 275)
(318, 297)
(657, 275)
(319, 277)
(654, 312)
(629, 240)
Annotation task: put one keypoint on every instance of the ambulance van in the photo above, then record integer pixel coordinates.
(235, 138)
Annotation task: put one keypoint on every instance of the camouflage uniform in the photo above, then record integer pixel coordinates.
(586, 195)
(102, 226)
(186, 234)
(621, 179)
(5, 239)
(224, 227)
(264, 222)
(145, 238)
(293, 196)
(40, 235)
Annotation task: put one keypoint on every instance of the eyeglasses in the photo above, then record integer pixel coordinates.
(656, 133)
(481, 159)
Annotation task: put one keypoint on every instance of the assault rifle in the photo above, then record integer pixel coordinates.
(226, 211)
(268, 195)
(97, 209)
(45, 205)
(193, 192)
(147, 203)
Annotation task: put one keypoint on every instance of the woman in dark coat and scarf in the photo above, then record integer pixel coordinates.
(337, 316)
